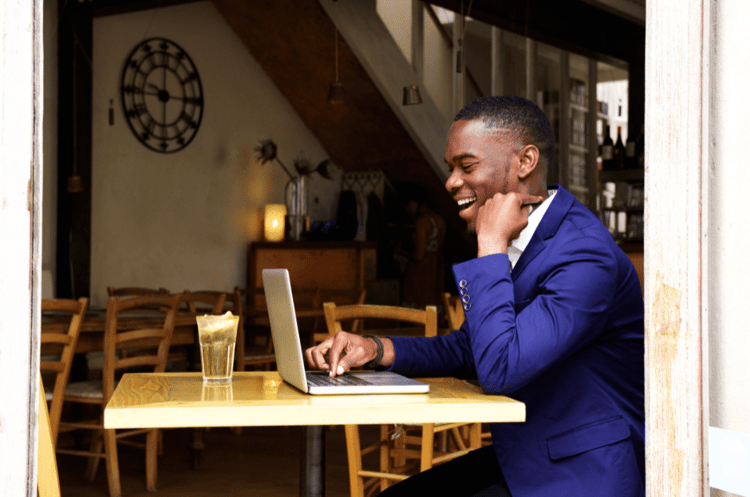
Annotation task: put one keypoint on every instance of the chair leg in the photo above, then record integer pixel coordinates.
(113, 469)
(428, 441)
(386, 464)
(353, 451)
(399, 442)
(152, 443)
(475, 435)
(96, 447)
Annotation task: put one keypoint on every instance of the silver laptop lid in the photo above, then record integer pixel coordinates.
(283, 320)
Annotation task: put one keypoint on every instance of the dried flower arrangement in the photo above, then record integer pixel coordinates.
(267, 152)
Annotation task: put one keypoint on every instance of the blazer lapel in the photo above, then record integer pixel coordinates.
(547, 227)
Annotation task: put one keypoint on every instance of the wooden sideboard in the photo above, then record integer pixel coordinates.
(333, 268)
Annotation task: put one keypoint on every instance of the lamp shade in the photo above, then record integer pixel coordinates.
(336, 93)
(273, 222)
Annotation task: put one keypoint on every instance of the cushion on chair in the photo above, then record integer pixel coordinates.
(91, 389)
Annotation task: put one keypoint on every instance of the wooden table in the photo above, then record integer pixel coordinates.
(180, 400)
(91, 338)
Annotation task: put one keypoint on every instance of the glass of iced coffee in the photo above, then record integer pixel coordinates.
(218, 335)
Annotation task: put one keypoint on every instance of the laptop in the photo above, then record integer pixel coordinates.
(290, 360)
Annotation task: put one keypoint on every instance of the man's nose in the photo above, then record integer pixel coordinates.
(454, 181)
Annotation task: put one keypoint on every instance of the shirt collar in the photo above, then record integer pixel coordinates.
(518, 245)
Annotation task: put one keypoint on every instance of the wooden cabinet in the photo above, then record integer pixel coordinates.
(331, 267)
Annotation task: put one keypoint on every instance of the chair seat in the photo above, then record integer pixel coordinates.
(91, 389)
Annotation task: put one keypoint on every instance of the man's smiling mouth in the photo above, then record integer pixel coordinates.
(465, 202)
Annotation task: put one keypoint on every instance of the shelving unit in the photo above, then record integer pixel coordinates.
(572, 137)
(621, 207)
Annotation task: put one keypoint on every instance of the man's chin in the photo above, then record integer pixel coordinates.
(471, 221)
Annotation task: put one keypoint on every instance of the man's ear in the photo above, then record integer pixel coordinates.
(528, 158)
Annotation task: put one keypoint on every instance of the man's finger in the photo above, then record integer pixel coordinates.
(334, 353)
(316, 356)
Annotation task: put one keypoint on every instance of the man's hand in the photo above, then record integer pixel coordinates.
(344, 351)
(501, 219)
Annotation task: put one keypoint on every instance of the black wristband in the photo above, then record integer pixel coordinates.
(375, 362)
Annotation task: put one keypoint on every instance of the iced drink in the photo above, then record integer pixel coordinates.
(217, 335)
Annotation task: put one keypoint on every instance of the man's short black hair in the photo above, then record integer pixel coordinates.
(521, 117)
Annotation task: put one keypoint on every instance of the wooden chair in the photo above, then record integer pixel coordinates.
(148, 347)
(255, 355)
(345, 298)
(454, 315)
(48, 480)
(402, 452)
(454, 311)
(195, 304)
(60, 360)
(132, 291)
(202, 302)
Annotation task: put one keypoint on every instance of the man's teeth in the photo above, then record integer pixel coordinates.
(466, 201)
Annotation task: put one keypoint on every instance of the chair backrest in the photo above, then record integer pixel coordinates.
(336, 314)
(147, 341)
(343, 298)
(65, 343)
(454, 311)
(129, 291)
(48, 481)
(209, 302)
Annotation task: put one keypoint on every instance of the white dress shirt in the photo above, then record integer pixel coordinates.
(518, 245)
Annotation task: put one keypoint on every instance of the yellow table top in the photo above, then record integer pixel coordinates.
(179, 400)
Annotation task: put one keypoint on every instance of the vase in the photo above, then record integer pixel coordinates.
(296, 202)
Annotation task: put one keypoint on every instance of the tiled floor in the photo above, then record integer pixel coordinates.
(259, 462)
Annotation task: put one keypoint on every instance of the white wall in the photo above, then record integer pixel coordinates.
(729, 227)
(183, 220)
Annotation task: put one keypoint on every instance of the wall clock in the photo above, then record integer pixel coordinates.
(162, 95)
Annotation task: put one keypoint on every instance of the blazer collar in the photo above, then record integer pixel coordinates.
(547, 228)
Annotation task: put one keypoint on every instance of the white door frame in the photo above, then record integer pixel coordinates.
(676, 124)
(20, 247)
(676, 128)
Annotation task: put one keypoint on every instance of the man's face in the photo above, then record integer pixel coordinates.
(482, 163)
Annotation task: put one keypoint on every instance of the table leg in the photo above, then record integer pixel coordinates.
(312, 471)
(196, 434)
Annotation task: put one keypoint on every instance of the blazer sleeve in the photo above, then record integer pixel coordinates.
(563, 306)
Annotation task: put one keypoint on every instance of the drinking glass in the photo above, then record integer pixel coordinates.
(217, 335)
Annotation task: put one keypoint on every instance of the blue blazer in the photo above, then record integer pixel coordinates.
(563, 333)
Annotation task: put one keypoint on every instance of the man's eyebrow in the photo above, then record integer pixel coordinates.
(461, 157)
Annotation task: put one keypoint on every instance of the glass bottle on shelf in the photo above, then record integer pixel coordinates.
(619, 150)
(630, 160)
(608, 162)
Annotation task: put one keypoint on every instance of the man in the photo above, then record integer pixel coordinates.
(554, 318)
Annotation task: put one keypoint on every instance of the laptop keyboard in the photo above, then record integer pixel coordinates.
(323, 380)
